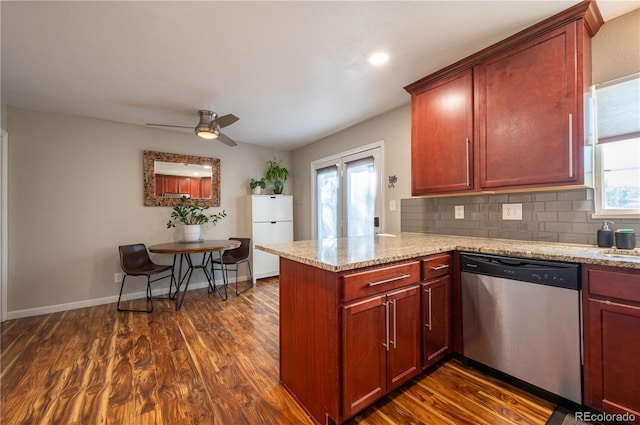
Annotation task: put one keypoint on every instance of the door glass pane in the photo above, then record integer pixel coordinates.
(327, 202)
(361, 197)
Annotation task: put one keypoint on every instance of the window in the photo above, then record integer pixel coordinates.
(617, 177)
(347, 193)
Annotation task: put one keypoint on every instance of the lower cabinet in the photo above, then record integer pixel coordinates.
(612, 340)
(436, 308)
(436, 311)
(381, 346)
(349, 338)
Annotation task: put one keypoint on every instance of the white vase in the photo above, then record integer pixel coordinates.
(191, 233)
(256, 190)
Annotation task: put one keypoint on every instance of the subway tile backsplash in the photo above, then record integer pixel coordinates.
(554, 216)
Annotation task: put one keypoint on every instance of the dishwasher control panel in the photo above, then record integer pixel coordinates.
(552, 273)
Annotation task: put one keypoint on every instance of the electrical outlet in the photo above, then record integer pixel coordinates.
(512, 211)
(459, 214)
(392, 205)
(117, 278)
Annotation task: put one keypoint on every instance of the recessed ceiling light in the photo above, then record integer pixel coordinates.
(378, 58)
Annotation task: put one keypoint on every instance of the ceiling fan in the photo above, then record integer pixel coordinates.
(209, 126)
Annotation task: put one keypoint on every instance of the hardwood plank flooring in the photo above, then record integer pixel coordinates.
(212, 362)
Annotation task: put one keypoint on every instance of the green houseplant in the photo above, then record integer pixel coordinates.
(191, 216)
(257, 185)
(276, 175)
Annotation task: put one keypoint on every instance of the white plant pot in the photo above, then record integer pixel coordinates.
(256, 190)
(191, 233)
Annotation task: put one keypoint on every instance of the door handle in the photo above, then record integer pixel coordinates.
(393, 279)
(428, 325)
(386, 317)
(395, 335)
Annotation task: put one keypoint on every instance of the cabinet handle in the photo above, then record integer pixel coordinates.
(386, 317)
(428, 325)
(440, 267)
(393, 279)
(394, 323)
(466, 147)
(570, 145)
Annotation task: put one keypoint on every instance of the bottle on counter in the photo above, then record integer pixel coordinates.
(605, 235)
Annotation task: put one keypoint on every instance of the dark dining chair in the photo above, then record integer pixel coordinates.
(231, 260)
(135, 261)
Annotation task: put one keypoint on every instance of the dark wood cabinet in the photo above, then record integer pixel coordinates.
(436, 308)
(195, 187)
(348, 338)
(611, 301)
(509, 116)
(442, 136)
(381, 346)
(530, 112)
(365, 355)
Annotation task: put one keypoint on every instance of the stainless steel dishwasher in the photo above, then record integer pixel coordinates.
(521, 317)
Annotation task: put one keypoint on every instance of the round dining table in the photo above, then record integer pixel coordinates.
(185, 250)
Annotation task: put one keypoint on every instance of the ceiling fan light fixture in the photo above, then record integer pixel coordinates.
(204, 128)
(207, 133)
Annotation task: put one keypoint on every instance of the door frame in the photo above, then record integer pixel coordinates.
(4, 162)
(333, 158)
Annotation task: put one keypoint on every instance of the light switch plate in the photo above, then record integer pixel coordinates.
(512, 211)
(392, 205)
(459, 212)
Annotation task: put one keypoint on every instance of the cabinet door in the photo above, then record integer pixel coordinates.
(529, 121)
(171, 184)
(184, 185)
(194, 187)
(271, 208)
(441, 136)
(436, 308)
(403, 357)
(364, 354)
(264, 263)
(611, 368)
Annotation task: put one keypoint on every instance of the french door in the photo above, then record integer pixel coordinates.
(347, 195)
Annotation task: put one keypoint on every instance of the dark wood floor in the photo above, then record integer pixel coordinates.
(212, 362)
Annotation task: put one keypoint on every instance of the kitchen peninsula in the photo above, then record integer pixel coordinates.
(351, 310)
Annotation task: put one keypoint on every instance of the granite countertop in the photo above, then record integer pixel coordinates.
(352, 253)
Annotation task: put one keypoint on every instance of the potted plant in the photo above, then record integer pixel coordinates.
(257, 185)
(276, 175)
(191, 217)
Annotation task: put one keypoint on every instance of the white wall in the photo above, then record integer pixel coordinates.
(616, 48)
(76, 193)
(615, 53)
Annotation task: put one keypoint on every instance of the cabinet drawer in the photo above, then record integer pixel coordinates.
(611, 284)
(375, 281)
(437, 265)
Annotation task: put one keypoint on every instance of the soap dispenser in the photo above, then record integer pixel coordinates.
(605, 235)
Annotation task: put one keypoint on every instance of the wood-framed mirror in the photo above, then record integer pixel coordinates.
(169, 176)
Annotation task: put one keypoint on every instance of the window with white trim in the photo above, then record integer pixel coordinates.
(617, 153)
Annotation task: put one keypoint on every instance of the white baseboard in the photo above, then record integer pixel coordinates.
(28, 312)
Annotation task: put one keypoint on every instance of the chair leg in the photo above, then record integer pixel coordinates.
(250, 278)
(149, 297)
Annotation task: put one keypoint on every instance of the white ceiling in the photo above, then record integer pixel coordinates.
(293, 72)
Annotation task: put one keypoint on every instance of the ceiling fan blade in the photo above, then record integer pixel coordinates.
(226, 140)
(167, 125)
(226, 120)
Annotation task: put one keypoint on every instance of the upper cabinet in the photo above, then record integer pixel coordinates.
(441, 135)
(509, 116)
